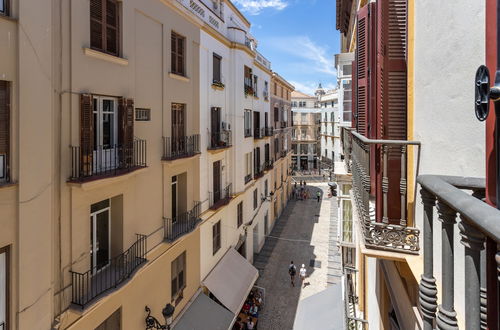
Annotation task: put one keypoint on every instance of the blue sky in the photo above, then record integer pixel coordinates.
(298, 37)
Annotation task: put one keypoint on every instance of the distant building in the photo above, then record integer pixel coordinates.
(306, 131)
(330, 132)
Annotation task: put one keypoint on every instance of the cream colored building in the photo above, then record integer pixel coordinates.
(105, 158)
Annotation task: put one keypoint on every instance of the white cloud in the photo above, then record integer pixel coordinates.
(309, 87)
(317, 57)
(254, 7)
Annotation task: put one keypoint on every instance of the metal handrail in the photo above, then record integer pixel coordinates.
(184, 223)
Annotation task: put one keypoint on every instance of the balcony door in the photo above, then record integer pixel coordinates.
(175, 199)
(256, 121)
(215, 117)
(178, 128)
(217, 181)
(105, 111)
(266, 115)
(100, 235)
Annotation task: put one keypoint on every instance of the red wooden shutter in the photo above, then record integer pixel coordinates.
(391, 93)
(86, 133)
(5, 126)
(354, 113)
(362, 71)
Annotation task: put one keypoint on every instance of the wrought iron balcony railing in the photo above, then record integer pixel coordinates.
(248, 178)
(258, 171)
(380, 195)
(96, 281)
(258, 133)
(269, 164)
(350, 302)
(220, 197)
(2, 325)
(283, 153)
(182, 224)
(283, 124)
(92, 162)
(479, 230)
(219, 140)
(248, 132)
(181, 147)
(269, 131)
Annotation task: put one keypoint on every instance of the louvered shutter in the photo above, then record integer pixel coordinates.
(112, 27)
(86, 134)
(4, 129)
(391, 90)
(126, 132)
(362, 54)
(96, 24)
(354, 114)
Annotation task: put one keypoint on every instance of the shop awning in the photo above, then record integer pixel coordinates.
(323, 310)
(231, 280)
(204, 313)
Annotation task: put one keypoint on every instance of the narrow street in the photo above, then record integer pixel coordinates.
(306, 233)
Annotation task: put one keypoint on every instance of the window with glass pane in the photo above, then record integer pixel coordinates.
(4, 264)
(104, 26)
(303, 149)
(4, 7)
(177, 54)
(217, 68)
(178, 275)
(216, 237)
(346, 220)
(240, 214)
(255, 203)
(347, 69)
(345, 189)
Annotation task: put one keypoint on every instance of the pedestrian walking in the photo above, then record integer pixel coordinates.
(318, 195)
(303, 273)
(292, 270)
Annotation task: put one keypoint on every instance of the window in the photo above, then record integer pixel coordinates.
(248, 123)
(275, 89)
(4, 288)
(276, 114)
(4, 130)
(142, 114)
(216, 237)
(255, 202)
(265, 93)
(266, 189)
(178, 276)
(332, 117)
(113, 322)
(248, 164)
(303, 149)
(281, 91)
(100, 236)
(240, 214)
(255, 80)
(346, 220)
(345, 189)
(347, 70)
(104, 26)
(247, 80)
(4, 9)
(178, 53)
(216, 68)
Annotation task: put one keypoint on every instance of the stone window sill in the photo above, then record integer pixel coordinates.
(178, 77)
(106, 57)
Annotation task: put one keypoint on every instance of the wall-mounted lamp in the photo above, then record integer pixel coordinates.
(153, 323)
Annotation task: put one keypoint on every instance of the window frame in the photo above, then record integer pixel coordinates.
(178, 293)
(239, 214)
(216, 237)
(6, 7)
(104, 27)
(218, 58)
(175, 55)
(255, 198)
(6, 250)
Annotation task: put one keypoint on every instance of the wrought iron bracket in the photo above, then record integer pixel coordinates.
(152, 322)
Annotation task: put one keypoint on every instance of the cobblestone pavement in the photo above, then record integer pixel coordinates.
(306, 234)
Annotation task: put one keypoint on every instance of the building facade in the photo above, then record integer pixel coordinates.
(330, 130)
(306, 132)
(122, 130)
(401, 262)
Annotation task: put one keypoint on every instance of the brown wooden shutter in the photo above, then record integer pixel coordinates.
(126, 131)
(5, 126)
(391, 92)
(96, 24)
(112, 27)
(86, 133)
(362, 54)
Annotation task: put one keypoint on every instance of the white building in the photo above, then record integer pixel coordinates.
(330, 132)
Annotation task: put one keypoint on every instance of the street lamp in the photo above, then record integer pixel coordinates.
(153, 323)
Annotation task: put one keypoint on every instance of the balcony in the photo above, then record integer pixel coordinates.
(220, 197)
(380, 190)
(258, 133)
(283, 153)
(480, 234)
(93, 283)
(219, 140)
(283, 124)
(91, 163)
(269, 131)
(247, 132)
(258, 171)
(248, 178)
(182, 224)
(186, 146)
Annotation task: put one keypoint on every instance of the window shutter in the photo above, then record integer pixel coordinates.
(5, 127)
(96, 24)
(126, 132)
(362, 53)
(86, 133)
(354, 114)
(112, 24)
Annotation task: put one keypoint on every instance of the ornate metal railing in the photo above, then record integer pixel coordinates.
(2, 325)
(185, 146)
(347, 147)
(248, 178)
(479, 230)
(283, 124)
(89, 162)
(269, 131)
(220, 197)
(248, 132)
(269, 164)
(352, 322)
(258, 171)
(380, 231)
(258, 133)
(219, 140)
(91, 284)
(182, 224)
